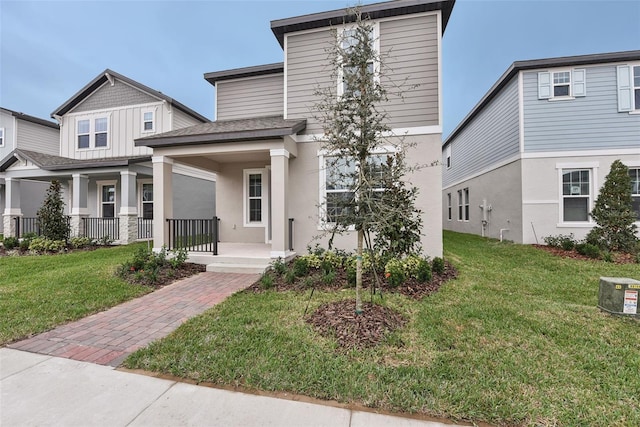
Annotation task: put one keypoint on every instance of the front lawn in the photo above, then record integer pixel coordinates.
(40, 292)
(515, 340)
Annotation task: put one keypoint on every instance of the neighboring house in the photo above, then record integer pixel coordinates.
(21, 131)
(264, 148)
(528, 161)
(107, 181)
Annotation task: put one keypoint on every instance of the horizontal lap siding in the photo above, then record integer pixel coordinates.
(253, 97)
(584, 123)
(492, 136)
(307, 68)
(181, 120)
(409, 49)
(38, 138)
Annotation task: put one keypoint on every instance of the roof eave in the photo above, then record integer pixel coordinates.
(238, 73)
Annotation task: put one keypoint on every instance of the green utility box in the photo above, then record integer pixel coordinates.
(619, 295)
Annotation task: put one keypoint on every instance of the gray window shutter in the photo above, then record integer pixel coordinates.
(625, 91)
(578, 77)
(544, 85)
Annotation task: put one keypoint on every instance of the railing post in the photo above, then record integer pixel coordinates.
(215, 234)
(291, 234)
(17, 220)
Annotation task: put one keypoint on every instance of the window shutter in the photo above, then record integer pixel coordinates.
(544, 85)
(625, 90)
(578, 77)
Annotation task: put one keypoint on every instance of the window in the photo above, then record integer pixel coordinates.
(448, 156)
(562, 84)
(93, 130)
(338, 187)
(576, 195)
(147, 201)
(254, 197)
(108, 201)
(349, 39)
(460, 205)
(635, 191)
(636, 86)
(628, 79)
(147, 121)
(83, 133)
(466, 204)
(1, 137)
(449, 206)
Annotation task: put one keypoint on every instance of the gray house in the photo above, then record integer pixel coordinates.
(25, 132)
(528, 161)
(107, 181)
(264, 146)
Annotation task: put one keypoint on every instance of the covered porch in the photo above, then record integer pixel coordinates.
(250, 158)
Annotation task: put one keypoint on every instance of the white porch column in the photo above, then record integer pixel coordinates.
(11, 207)
(79, 208)
(162, 199)
(128, 207)
(279, 208)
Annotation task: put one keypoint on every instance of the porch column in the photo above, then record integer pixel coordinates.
(162, 199)
(11, 207)
(79, 208)
(128, 207)
(279, 208)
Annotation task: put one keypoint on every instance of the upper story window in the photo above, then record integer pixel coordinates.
(562, 84)
(635, 190)
(1, 137)
(148, 122)
(93, 133)
(447, 154)
(628, 79)
(349, 39)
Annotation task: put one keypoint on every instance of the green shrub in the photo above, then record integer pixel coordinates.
(331, 261)
(290, 277)
(589, 250)
(638, 258)
(607, 256)
(300, 266)
(351, 275)
(10, 243)
(395, 272)
(423, 271)
(42, 244)
(81, 242)
(279, 267)
(266, 281)
(437, 265)
(329, 277)
(178, 257)
(566, 242)
(313, 260)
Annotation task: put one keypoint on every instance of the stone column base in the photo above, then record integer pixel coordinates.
(9, 225)
(128, 229)
(77, 225)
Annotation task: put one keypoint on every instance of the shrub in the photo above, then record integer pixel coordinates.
(395, 272)
(51, 217)
(42, 244)
(266, 281)
(313, 260)
(290, 277)
(638, 258)
(331, 261)
(423, 272)
(81, 242)
(589, 250)
(178, 257)
(351, 275)
(300, 267)
(561, 241)
(437, 265)
(329, 277)
(607, 256)
(105, 241)
(11, 243)
(279, 267)
(568, 244)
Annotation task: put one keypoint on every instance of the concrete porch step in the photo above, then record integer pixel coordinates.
(228, 267)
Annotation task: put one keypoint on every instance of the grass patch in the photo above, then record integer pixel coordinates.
(40, 292)
(515, 340)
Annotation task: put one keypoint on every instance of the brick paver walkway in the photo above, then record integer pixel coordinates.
(107, 338)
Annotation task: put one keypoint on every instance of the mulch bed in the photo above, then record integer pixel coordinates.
(168, 275)
(618, 257)
(338, 319)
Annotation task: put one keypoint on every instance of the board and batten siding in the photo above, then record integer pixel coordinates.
(591, 122)
(491, 137)
(7, 122)
(307, 69)
(409, 48)
(34, 137)
(250, 97)
(125, 125)
(118, 95)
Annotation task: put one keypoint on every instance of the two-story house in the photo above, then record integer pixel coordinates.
(264, 145)
(528, 161)
(22, 131)
(107, 181)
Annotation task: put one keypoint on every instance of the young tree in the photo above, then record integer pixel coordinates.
(51, 218)
(613, 212)
(364, 178)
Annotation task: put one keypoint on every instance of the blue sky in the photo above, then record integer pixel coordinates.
(50, 49)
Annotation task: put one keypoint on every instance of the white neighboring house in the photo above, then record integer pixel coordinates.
(107, 181)
(22, 131)
(528, 161)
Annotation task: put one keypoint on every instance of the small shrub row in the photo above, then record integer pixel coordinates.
(145, 265)
(585, 247)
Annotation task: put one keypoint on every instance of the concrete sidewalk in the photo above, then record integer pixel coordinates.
(51, 391)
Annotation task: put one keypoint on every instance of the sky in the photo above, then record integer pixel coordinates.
(50, 49)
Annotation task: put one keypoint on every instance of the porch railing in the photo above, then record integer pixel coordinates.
(291, 234)
(145, 228)
(194, 235)
(101, 228)
(26, 225)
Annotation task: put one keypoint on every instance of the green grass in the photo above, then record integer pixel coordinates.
(515, 340)
(38, 293)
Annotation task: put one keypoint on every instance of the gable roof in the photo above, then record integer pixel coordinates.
(104, 77)
(373, 11)
(516, 67)
(254, 129)
(56, 163)
(237, 73)
(32, 119)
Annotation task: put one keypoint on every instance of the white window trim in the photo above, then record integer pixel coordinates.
(245, 197)
(593, 180)
(375, 26)
(2, 137)
(143, 121)
(447, 157)
(466, 208)
(92, 131)
(460, 206)
(141, 183)
(449, 207)
(635, 109)
(570, 84)
(633, 165)
(101, 184)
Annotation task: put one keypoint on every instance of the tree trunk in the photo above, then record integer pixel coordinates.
(359, 272)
